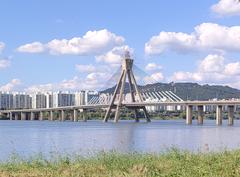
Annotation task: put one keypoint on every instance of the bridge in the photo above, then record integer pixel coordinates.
(33, 114)
(138, 102)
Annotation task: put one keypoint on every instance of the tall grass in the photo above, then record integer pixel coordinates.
(171, 163)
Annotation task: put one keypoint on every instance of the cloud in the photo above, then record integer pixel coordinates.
(10, 86)
(232, 69)
(227, 7)
(92, 43)
(97, 80)
(41, 88)
(90, 68)
(153, 78)
(93, 81)
(85, 68)
(4, 63)
(212, 69)
(2, 46)
(115, 55)
(157, 76)
(206, 37)
(186, 76)
(35, 47)
(211, 64)
(152, 67)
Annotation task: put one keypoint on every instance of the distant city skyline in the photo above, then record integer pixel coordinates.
(77, 45)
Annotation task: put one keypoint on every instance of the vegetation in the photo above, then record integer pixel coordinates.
(170, 163)
(159, 115)
(126, 114)
(190, 91)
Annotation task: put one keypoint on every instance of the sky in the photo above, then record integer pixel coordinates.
(78, 44)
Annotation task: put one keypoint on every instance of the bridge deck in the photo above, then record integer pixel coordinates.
(181, 103)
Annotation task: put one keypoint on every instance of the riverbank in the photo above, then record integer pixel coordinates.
(171, 163)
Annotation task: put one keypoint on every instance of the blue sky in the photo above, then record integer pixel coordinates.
(177, 53)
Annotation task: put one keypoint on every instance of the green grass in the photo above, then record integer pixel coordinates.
(171, 163)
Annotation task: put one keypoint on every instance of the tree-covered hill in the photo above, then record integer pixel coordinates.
(190, 91)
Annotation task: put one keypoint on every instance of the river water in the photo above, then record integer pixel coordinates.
(27, 138)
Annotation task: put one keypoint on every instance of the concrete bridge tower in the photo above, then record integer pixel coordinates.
(126, 72)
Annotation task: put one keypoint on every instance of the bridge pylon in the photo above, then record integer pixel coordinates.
(126, 72)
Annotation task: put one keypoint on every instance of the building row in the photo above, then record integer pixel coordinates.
(22, 100)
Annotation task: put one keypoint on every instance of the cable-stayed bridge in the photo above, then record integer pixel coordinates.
(127, 93)
(153, 96)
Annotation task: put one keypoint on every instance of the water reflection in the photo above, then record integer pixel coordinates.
(29, 137)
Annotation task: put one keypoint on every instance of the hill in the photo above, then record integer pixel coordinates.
(190, 91)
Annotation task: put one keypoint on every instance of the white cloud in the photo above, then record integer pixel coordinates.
(227, 7)
(157, 76)
(166, 41)
(215, 78)
(186, 76)
(206, 37)
(90, 68)
(213, 69)
(2, 46)
(232, 68)
(4, 63)
(95, 76)
(153, 78)
(35, 47)
(85, 68)
(97, 80)
(92, 43)
(10, 86)
(93, 81)
(115, 55)
(152, 67)
(212, 63)
(41, 88)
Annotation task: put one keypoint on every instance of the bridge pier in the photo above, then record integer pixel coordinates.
(10, 116)
(41, 115)
(189, 114)
(200, 114)
(16, 115)
(13, 116)
(32, 116)
(135, 112)
(71, 115)
(75, 115)
(219, 115)
(50, 116)
(62, 117)
(146, 115)
(23, 116)
(83, 113)
(230, 115)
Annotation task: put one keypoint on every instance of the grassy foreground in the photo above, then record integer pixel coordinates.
(171, 163)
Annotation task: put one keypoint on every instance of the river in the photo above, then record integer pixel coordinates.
(27, 138)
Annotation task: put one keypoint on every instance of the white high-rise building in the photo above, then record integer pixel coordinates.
(80, 98)
(6, 100)
(63, 99)
(21, 101)
(39, 100)
(49, 99)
